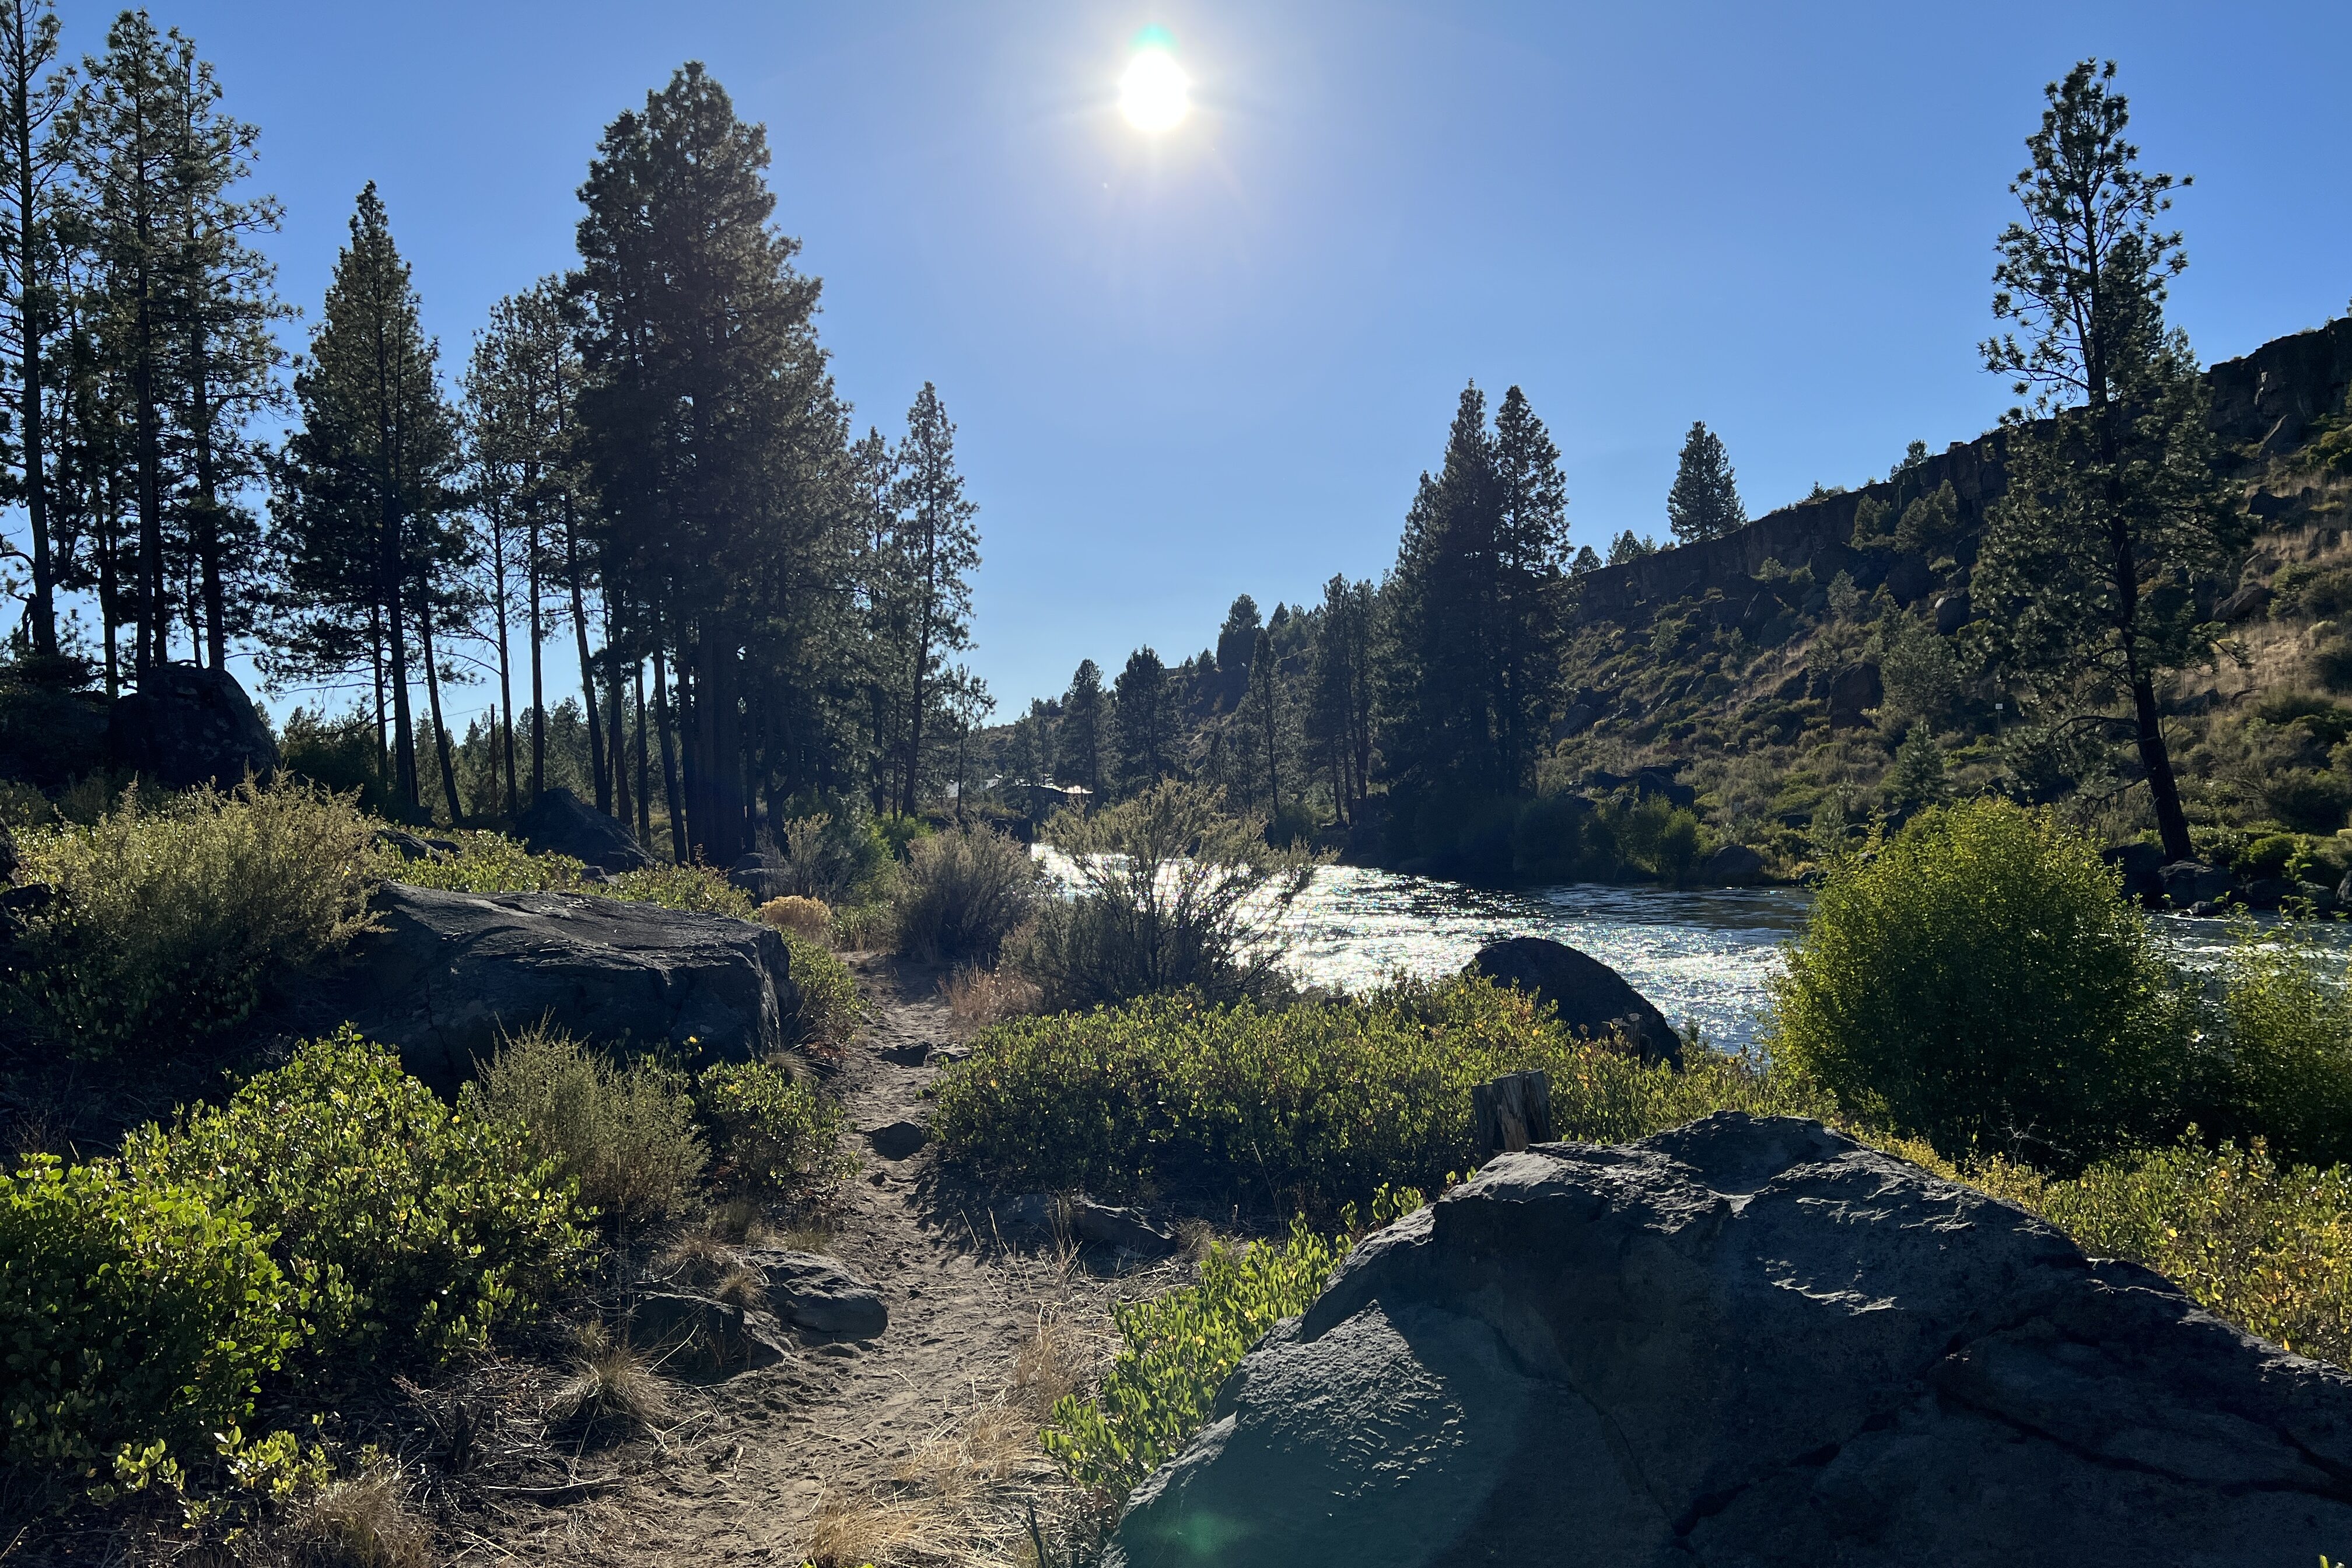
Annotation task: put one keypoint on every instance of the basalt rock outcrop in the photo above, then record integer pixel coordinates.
(1754, 1343)
(186, 726)
(448, 975)
(560, 823)
(1590, 997)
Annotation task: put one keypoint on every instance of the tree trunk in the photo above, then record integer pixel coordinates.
(538, 680)
(1511, 1114)
(587, 665)
(670, 801)
(617, 726)
(718, 763)
(392, 581)
(28, 317)
(644, 780)
(440, 726)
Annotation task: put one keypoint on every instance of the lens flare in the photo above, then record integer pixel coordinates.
(1155, 93)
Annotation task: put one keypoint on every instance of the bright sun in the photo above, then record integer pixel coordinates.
(1153, 93)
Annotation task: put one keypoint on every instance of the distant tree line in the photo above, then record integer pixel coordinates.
(644, 458)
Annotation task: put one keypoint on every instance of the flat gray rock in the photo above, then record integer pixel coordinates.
(694, 1337)
(1757, 1344)
(899, 1139)
(450, 973)
(816, 1293)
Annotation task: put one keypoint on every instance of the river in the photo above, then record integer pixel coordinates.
(1704, 955)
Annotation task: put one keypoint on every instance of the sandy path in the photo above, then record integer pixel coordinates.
(912, 1447)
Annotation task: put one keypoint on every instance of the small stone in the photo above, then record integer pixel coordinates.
(899, 1140)
(816, 1293)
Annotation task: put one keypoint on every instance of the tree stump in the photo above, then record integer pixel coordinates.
(1511, 1114)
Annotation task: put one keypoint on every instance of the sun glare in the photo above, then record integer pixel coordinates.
(1154, 94)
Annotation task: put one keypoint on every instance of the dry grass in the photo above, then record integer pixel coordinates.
(965, 1494)
(979, 997)
(697, 1260)
(811, 918)
(805, 1237)
(613, 1386)
(364, 1522)
(744, 1289)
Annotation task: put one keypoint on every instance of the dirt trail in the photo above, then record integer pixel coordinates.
(916, 1447)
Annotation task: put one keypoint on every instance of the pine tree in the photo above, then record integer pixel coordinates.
(1625, 548)
(1530, 550)
(1147, 728)
(936, 550)
(1340, 713)
(2113, 509)
(1079, 757)
(34, 161)
(1439, 697)
(363, 518)
(1236, 644)
(718, 451)
(1265, 717)
(1704, 502)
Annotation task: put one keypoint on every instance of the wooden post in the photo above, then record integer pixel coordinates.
(1511, 1114)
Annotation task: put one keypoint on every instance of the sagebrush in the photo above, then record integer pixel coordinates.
(623, 1132)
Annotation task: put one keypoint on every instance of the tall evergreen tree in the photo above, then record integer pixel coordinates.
(1236, 644)
(1149, 731)
(717, 446)
(935, 549)
(2113, 515)
(1339, 716)
(1530, 552)
(1705, 501)
(1266, 717)
(34, 161)
(1438, 698)
(1079, 757)
(362, 511)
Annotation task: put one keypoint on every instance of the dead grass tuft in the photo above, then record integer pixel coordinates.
(614, 1387)
(697, 1260)
(743, 1288)
(979, 997)
(364, 1522)
(811, 918)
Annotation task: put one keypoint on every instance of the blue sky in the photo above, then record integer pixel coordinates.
(1216, 360)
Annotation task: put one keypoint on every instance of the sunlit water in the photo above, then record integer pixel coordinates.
(1701, 956)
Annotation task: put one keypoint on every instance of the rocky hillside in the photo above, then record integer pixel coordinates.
(1779, 670)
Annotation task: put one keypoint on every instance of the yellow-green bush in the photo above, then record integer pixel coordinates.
(828, 1007)
(173, 912)
(623, 1132)
(1981, 982)
(1176, 1349)
(812, 918)
(137, 1320)
(489, 862)
(693, 887)
(1319, 1103)
(772, 1132)
(2288, 1021)
(407, 1228)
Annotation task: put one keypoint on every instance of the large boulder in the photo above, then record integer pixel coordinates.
(448, 973)
(2142, 866)
(1590, 996)
(815, 1293)
(1755, 1343)
(1852, 693)
(2187, 883)
(1733, 866)
(763, 877)
(186, 726)
(560, 823)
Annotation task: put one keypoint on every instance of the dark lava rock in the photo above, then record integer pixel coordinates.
(1753, 1342)
(1575, 721)
(1794, 689)
(761, 876)
(560, 823)
(908, 1056)
(449, 973)
(1908, 579)
(2186, 883)
(8, 856)
(2143, 869)
(2245, 603)
(899, 1140)
(2267, 892)
(1852, 692)
(1590, 996)
(705, 1339)
(814, 1292)
(1733, 866)
(186, 726)
(1953, 611)
(407, 846)
(1125, 1229)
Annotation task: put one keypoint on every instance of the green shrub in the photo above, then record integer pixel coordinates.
(624, 1133)
(961, 894)
(486, 862)
(2332, 663)
(844, 860)
(1981, 982)
(137, 1320)
(340, 754)
(693, 888)
(2289, 1025)
(1172, 894)
(172, 913)
(828, 1011)
(408, 1229)
(770, 1130)
(1312, 1105)
(1176, 1349)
